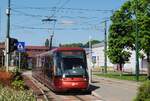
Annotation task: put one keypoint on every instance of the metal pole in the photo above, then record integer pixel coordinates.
(51, 36)
(137, 45)
(90, 59)
(105, 47)
(19, 61)
(2, 60)
(7, 37)
(51, 40)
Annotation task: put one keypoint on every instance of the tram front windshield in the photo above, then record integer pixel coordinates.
(72, 64)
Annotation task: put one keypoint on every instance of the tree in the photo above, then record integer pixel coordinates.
(120, 37)
(86, 45)
(124, 18)
(143, 19)
(72, 45)
(47, 43)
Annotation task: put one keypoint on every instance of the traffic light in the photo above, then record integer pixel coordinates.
(12, 44)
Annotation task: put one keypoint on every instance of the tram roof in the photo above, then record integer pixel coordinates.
(62, 49)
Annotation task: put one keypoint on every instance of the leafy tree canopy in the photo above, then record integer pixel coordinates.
(86, 45)
(47, 43)
(123, 31)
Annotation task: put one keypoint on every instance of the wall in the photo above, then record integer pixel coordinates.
(129, 66)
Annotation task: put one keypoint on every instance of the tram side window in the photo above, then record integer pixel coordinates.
(48, 66)
(51, 64)
(57, 64)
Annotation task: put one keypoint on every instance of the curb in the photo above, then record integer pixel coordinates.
(96, 95)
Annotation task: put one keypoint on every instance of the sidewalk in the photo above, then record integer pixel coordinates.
(114, 90)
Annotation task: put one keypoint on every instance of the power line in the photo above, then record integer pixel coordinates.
(27, 14)
(63, 8)
(39, 16)
(67, 1)
(42, 28)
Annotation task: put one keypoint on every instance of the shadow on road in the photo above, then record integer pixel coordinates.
(79, 92)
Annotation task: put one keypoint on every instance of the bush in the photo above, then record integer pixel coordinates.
(18, 82)
(6, 77)
(143, 92)
(7, 94)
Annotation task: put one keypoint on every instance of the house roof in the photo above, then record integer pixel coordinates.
(35, 50)
(2, 46)
(31, 50)
(37, 47)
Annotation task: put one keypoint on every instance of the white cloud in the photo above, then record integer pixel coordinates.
(67, 22)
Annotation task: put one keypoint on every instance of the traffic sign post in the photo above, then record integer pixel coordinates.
(20, 49)
(19, 61)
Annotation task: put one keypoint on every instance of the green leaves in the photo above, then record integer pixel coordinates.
(119, 37)
(86, 45)
(7, 94)
(47, 43)
(143, 92)
(122, 30)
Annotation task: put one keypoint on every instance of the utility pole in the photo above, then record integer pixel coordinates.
(105, 47)
(52, 35)
(136, 44)
(51, 40)
(7, 37)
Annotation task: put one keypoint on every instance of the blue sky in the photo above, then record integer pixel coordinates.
(76, 20)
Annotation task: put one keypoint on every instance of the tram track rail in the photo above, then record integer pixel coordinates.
(47, 95)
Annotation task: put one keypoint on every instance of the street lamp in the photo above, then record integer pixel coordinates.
(52, 35)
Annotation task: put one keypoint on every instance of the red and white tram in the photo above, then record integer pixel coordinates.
(62, 69)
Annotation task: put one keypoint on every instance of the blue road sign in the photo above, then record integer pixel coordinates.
(21, 46)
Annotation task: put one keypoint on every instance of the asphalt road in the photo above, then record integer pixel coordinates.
(115, 90)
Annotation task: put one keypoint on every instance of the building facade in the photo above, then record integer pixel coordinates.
(30, 50)
(97, 52)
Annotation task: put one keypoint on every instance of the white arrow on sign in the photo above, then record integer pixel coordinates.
(20, 47)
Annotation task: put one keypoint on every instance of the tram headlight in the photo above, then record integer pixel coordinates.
(85, 79)
(64, 76)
